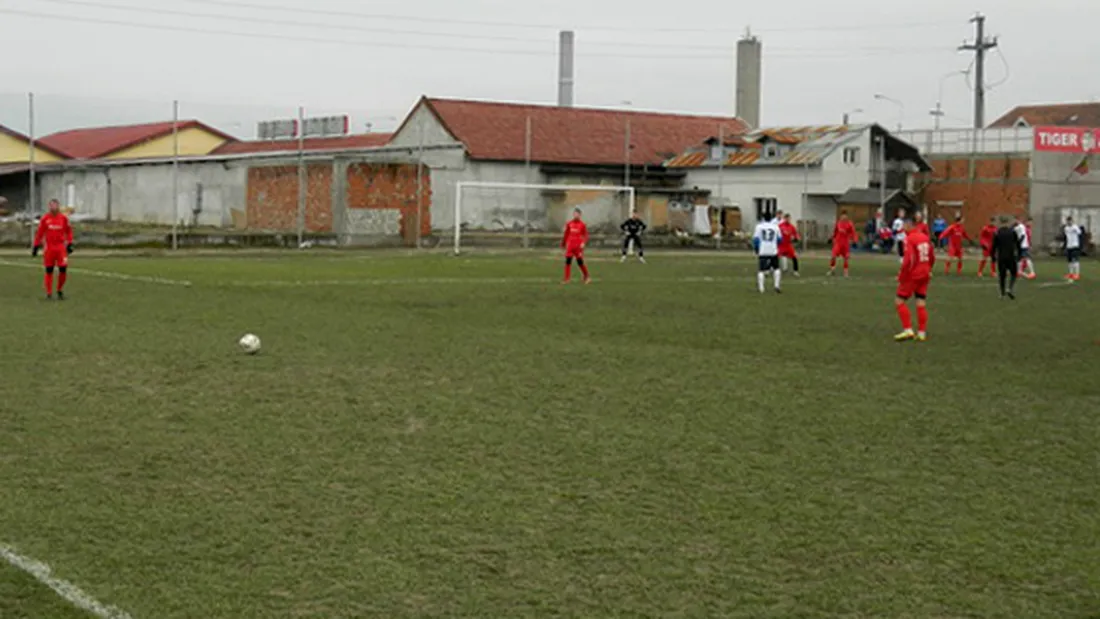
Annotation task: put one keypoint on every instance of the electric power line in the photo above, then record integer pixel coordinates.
(802, 53)
(349, 28)
(238, 4)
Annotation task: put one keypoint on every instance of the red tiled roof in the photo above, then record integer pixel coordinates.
(95, 142)
(38, 143)
(344, 142)
(496, 132)
(1058, 114)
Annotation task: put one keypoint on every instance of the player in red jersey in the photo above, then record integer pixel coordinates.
(920, 226)
(955, 234)
(789, 236)
(55, 230)
(985, 239)
(844, 234)
(913, 279)
(573, 241)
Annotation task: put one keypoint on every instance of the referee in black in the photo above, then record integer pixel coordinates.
(633, 227)
(1006, 255)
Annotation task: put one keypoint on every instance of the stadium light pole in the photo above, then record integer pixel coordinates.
(899, 104)
(303, 180)
(527, 179)
(175, 174)
(32, 190)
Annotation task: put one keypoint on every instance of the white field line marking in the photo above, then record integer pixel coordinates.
(63, 588)
(405, 281)
(426, 281)
(1056, 284)
(109, 275)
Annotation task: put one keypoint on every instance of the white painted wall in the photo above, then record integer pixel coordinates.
(422, 127)
(143, 193)
(739, 186)
(839, 176)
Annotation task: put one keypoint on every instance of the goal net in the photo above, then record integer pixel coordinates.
(521, 215)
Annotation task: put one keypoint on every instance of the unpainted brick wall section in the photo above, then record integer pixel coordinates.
(273, 198)
(273, 195)
(986, 187)
(390, 186)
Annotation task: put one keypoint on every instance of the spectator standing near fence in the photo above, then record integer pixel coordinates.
(939, 226)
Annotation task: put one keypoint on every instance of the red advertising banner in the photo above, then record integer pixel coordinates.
(1067, 140)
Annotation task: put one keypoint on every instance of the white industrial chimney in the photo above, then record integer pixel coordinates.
(565, 68)
(749, 69)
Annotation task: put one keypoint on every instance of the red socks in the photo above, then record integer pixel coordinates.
(568, 271)
(584, 270)
(61, 277)
(959, 270)
(832, 263)
(49, 283)
(922, 319)
(906, 317)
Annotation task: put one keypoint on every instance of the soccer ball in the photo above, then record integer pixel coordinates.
(249, 343)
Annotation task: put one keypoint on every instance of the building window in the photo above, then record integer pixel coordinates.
(851, 155)
(771, 151)
(765, 208)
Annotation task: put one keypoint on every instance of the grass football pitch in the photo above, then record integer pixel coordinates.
(431, 436)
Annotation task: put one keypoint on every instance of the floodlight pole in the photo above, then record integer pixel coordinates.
(32, 190)
(175, 174)
(302, 178)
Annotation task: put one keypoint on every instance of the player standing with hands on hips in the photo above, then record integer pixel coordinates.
(55, 230)
(1072, 234)
(573, 241)
(633, 227)
(765, 242)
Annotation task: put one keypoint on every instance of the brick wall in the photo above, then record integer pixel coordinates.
(391, 186)
(273, 198)
(986, 187)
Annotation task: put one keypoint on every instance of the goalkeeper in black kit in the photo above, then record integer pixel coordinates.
(633, 228)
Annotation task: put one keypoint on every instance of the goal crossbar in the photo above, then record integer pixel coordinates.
(461, 185)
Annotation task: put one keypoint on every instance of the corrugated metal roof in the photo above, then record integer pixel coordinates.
(747, 157)
(808, 145)
(687, 160)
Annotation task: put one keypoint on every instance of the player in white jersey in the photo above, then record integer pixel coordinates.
(765, 242)
(1072, 234)
(899, 232)
(1023, 232)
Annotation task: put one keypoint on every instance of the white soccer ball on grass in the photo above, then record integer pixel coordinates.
(249, 343)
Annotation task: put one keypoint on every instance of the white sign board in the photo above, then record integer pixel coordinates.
(319, 127)
(326, 126)
(277, 129)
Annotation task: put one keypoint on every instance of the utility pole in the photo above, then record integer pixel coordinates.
(980, 46)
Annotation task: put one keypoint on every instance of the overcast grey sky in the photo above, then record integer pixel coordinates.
(372, 59)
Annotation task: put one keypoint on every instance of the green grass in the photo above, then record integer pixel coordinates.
(442, 437)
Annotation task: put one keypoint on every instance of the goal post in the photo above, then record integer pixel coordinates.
(462, 187)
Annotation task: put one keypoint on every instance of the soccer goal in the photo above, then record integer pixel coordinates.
(525, 212)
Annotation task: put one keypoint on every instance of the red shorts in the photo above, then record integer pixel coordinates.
(574, 252)
(787, 252)
(842, 251)
(955, 252)
(987, 252)
(55, 257)
(913, 288)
